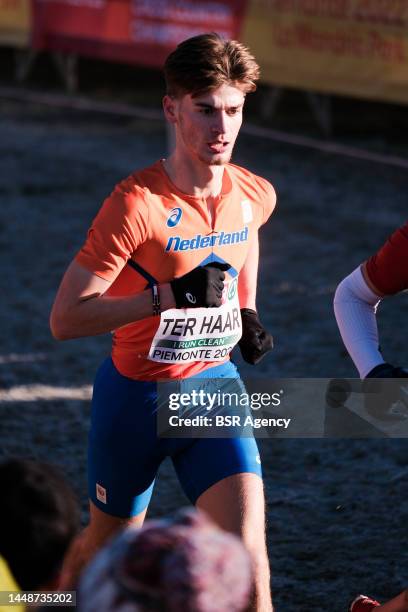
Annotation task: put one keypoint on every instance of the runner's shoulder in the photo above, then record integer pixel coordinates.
(132, 186)
(135, 191)
(255, 188)
(250, 181)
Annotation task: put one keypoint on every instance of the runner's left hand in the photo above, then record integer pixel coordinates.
(255, 341)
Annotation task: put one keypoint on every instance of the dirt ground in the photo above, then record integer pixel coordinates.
(337, 509)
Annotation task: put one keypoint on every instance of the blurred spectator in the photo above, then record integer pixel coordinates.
(183, 564)
(39, 516)
(7, 583)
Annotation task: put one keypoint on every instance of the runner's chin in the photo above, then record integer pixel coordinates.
(216, 159)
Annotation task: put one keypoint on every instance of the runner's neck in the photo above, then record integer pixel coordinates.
(201, 181)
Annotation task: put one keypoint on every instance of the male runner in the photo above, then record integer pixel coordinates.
(357, 298)
(169, 242)
(355, 304)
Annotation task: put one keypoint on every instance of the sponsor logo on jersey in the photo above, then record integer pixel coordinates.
(232, 289)
(246, 208)
(100, 493)
(174, 217)
(176, 243)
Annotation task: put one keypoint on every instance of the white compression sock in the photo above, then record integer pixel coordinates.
(355, 306)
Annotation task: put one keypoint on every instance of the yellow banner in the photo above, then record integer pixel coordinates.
(351, 47)
(15, 22)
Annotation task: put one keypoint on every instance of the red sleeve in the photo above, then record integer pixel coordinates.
(116, 232)
(388, 268)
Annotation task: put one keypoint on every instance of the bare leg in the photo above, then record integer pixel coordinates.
(237, 504)
(101, 528)
(398, 604)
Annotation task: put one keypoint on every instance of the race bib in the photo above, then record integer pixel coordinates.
(199, 334)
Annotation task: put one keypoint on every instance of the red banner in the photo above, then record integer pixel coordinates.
(133, 31)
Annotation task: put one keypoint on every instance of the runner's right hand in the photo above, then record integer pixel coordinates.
(203, 286)
(382, 398)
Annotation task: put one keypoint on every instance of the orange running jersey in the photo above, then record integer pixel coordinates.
(388, 268)
(148, 231)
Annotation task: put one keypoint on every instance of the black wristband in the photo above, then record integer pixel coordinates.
(156, 300)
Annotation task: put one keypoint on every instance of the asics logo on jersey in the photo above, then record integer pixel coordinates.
(174, 217)
(176, 243)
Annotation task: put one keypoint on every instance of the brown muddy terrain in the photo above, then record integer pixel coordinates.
(337, 508)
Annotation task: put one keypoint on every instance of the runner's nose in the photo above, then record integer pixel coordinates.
(219, 125)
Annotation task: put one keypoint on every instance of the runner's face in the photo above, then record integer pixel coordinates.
(208, 125)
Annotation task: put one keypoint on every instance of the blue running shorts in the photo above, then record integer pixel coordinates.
(124, 452)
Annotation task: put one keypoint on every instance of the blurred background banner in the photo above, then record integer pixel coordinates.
(133, 31)
(348, 47)
(15, 22)
(351, 47)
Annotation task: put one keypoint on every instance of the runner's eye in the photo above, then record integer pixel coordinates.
(207, 111)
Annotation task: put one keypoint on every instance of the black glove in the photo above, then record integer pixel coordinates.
(255, 341)
(337, 393)
(386, 370)
(380, 396)
(203, 286)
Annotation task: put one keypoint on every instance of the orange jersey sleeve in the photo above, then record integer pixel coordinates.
(259, 192)
(268, 199)
(120, 227)
(388, 268)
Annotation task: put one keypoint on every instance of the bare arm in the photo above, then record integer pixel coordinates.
(81, 308)
(248, 276)
(398, 604)
(256, 340)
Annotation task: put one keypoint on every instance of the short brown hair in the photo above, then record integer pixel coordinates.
(205, 62)
(39, 517)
